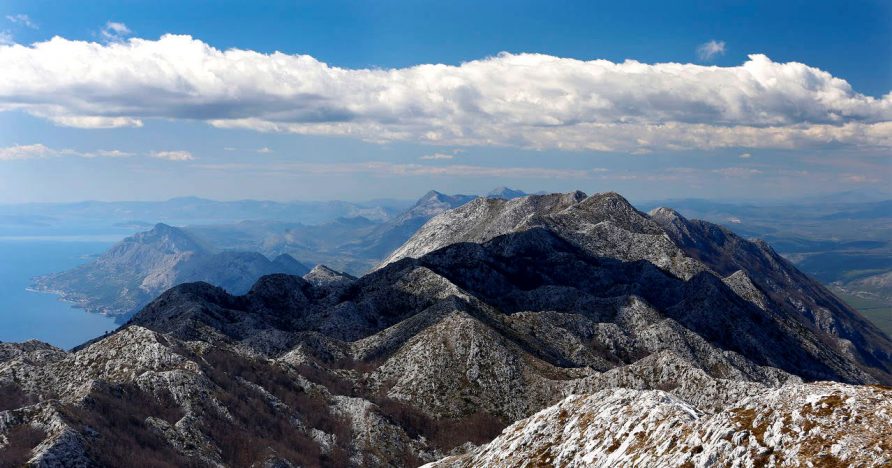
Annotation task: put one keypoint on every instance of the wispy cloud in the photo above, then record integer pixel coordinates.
(519, 100)
(436, 156)
(40, 151)
(709, 50)
(745, 155)
(178, 155)
(114, 31)
(264, 150)
(860, 179)
(6, 38)
(737, 171)
(23, 20)
(385, 168)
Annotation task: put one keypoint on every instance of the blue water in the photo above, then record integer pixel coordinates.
(25, 314)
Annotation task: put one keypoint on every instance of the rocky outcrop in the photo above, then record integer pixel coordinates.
(820, 424)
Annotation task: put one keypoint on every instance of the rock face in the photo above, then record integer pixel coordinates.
(139, 268)
(490, 313)
(821, 424)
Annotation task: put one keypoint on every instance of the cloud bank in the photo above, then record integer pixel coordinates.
(523, 100)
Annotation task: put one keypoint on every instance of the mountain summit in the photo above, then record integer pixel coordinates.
(493, 312)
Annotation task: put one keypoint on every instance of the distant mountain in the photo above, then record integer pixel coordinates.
(353, 244)
(393, 233)
(683, 342)
(137, 269)
(505, 193)
(95, 217)
(233, 256)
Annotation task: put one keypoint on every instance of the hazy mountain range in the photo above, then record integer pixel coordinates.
(843, 241)
(142, 266)
(680, 342)
(95, 217)
(234, 256)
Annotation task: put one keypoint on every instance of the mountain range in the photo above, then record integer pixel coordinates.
(234, 256)
(549, 330)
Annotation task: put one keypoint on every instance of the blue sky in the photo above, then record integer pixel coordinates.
(127, 120)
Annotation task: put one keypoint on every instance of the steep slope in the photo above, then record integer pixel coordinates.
(140, 267)
(791, 290)
(606, 225)
(821, 424)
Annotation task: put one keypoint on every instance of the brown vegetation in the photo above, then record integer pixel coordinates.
(12, 397)
(22, 439)
(259, 430)
(113, 420)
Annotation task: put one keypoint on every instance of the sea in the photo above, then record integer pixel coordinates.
(27, 314)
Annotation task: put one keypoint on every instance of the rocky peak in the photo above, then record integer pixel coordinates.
(167, 239)
(289, 263)
(323, 276)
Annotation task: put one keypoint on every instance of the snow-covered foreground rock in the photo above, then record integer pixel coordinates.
(820, 424)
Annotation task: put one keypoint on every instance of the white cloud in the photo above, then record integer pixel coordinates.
(6, 38)
(435, 156)
(264, 150)
(40, 151)
(36, 151)
(172, 155)
(745, 155)
(109, 154)
(114, 31)
(95, 121)
(708, 50)
(23, 20)
(229, 148)
(526, 100)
